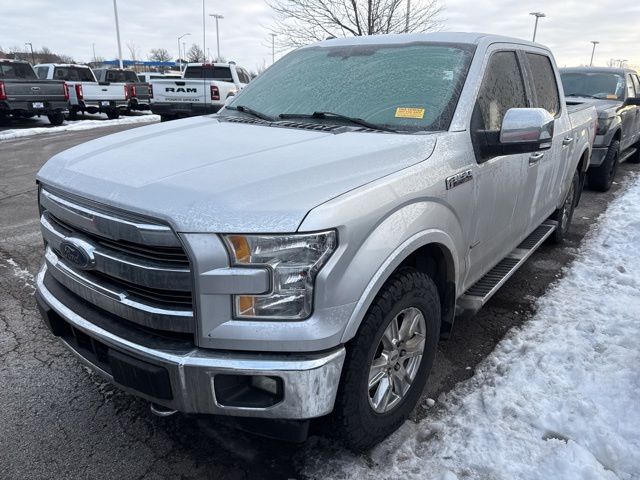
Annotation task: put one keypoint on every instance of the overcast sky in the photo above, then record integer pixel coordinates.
(72, 26)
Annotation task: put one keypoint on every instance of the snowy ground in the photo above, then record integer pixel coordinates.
(557, 399)
(38, 126)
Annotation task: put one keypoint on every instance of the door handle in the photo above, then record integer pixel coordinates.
(567, 141)
(535, 158)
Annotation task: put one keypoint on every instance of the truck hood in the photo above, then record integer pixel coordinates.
(205, 175)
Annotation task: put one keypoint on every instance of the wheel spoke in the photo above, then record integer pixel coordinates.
(414, 347)
(401, 381)
(383, 395)
(390, 336)
(377, 372)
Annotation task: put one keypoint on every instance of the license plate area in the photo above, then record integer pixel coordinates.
(105, 103)
(37, 105)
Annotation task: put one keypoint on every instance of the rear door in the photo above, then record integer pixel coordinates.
(555, 162)
(635, 81)
(501, 193)
(628, 115)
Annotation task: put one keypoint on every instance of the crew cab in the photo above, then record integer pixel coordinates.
(139, 93)
(202, 89)
(615, 92)
(85, 93)
(22, 94)
(319, 235)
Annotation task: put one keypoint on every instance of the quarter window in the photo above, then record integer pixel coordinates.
(636, 84)
(631, 91)
(544, 83)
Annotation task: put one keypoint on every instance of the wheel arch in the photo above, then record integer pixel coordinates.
(432, 252)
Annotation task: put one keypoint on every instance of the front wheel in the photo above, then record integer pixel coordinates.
(56, 118)
(389, 360)
(564, 215)
(601, 177)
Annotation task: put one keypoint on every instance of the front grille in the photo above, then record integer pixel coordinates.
(130, 266)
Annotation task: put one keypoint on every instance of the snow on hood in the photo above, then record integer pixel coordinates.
(202, 175)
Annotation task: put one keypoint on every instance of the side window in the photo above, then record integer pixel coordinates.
(42, 72)
(631, 91)
(544, 83)
(636, 84)
(502, 88)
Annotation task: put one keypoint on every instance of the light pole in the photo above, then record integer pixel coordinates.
(593, 51)
(179, 54)
(115, 11)
(273, 48)
(33, 59)
(538, 15)
(406, 25)
(93, 48)
(217, 17)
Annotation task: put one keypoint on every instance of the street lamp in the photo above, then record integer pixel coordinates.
(538, 15)
(217, 17)
(273, 47)
(33, 59)
(179, 54)
(115, 11)
(593, 51)
(406, 25)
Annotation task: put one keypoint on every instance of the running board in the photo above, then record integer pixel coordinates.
(624, 156)
(480, 293)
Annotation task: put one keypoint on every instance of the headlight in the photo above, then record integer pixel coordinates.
(293, 260)
(603, 125)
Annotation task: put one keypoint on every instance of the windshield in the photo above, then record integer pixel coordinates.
(73, 74)
(121, 76)
(593, 84)
(17, 70)
(408, 87)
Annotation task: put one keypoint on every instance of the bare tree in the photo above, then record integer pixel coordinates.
(134, 51)
(159, 55)
(195, 54)
(300, 22)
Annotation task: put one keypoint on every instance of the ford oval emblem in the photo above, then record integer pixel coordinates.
(78, 252)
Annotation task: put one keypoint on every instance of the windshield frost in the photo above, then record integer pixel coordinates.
(411, 87)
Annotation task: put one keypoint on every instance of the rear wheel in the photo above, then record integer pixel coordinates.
(389, 360)
(112, 114)
(564, 215)
(56, 118)
(601, 178)
(167, 118)
(4, 119)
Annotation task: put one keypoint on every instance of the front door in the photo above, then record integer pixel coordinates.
(502, 195)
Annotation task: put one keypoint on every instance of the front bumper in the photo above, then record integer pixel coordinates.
(597, 156)
(182, 378)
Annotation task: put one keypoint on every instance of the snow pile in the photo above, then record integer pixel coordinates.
(557, 399)
(76, 125)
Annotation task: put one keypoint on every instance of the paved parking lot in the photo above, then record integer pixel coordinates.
(60, 421)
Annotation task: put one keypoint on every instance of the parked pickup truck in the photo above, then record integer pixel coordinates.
(308, 251)
(139, 93)
(615, 92)
(202, 89)
(22, 94)
(85, 93)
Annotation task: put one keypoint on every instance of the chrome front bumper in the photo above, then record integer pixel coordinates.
(309, 381)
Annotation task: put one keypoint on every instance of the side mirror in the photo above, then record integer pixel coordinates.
(527, 129)
(228, 100)
(634, 101)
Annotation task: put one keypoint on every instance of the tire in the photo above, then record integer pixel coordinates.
(564, 215)
(113, 114)
(601, 178)
(166, 118)
(356, 420)
(5, 120)
(56, 118)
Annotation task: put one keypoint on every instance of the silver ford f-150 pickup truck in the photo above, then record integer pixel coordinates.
(319, 235)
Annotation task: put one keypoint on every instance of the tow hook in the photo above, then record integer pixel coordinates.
(161, 411)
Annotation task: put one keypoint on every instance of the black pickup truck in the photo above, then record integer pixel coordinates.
(615, 92)
(22, 94)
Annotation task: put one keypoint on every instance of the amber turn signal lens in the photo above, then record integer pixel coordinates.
(246, 305)
(241, 249)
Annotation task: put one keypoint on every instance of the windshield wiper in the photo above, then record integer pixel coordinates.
(323, 115)
(579, 95)
(252, 112)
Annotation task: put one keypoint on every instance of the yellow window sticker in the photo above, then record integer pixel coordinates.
(612, 97)
(403, 112)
